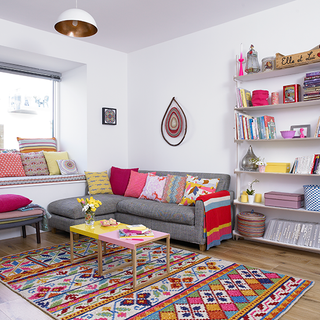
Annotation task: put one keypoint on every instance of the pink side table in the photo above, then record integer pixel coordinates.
(113, 237)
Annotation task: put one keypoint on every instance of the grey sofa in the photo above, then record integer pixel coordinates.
(184, 223)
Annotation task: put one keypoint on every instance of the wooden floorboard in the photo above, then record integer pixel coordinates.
(288, 261)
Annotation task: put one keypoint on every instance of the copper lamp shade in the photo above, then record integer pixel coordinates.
(76, 23)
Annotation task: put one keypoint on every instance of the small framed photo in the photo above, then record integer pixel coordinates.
(301, 131)
(109, 116)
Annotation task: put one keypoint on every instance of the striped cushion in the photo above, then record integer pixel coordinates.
(38, 144)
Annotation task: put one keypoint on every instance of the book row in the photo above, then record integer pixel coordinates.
(243, 98)
(306, 234)
(306, 165)
(254, 128)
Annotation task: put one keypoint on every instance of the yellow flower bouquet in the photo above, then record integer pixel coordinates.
(89, 207)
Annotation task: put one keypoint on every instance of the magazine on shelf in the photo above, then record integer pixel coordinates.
(129, 234)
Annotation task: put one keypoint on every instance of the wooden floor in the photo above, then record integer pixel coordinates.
(292, 262)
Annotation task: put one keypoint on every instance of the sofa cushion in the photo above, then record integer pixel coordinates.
(119, 179)
(136, 184)
(71, 208)
(67, 167)
(98, 182)
(174, 189)
(34, 164)
(11, 165)
(153, 189)
(168, 212)
(52, 157)
(37, 144)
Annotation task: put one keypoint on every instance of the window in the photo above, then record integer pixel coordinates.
(27, 104)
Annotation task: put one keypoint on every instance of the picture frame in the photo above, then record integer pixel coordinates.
(109, 116)
(306, 130)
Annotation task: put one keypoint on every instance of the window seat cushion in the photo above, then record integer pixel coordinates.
(9, 181)
(17, 215)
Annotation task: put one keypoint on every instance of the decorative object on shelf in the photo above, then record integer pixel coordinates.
(287, 134)
(260, 163)
(317, 131)
(268, 64)
(244, 197)
(284, 199)
(109, 116)
(312, 197)
(250, 191)
(291, 93)
(258, 198)
(279, 167)
(252, 64)
(260, 97)
(174, 124)
(298, 59)
(247, 162)
(89, 207)
(251, 224)
(275, 98)
(297, 129)
(311, 86)
(76, 23)
(241, 62)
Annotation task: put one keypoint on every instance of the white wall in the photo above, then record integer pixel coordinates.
(198, 70)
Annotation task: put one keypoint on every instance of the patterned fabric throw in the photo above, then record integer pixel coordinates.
(199, 287)
(217, 221)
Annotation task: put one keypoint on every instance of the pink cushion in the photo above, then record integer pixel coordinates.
(11, 165)
(9, 202)
(136, 183)
(119, 179)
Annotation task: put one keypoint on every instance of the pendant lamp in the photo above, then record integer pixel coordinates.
(76, 23)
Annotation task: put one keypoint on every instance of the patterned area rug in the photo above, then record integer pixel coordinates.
(199, 287)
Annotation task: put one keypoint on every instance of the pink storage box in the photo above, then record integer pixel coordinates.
(284, 200)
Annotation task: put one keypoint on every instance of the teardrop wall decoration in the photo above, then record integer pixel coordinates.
(174, 124)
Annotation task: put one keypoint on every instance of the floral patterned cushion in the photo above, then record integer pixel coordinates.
(174, 189)
(153, 188)
(34, 164)
(196, 187)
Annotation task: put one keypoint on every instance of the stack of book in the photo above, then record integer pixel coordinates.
(243, 98)
(251, 128)
(306, 165)
(292, 232)
(138, 231)
(311, 86)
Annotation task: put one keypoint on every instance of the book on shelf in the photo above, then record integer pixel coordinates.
(137, 227)
(317, 131)
(243, 97)
(133, 234)
(306, 165)
(251, 128)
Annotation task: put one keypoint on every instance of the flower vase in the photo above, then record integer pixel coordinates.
(250, 198)
(246, 163)
(89, 219)
(262, 168)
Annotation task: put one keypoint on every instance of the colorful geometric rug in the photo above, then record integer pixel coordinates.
(199, 287)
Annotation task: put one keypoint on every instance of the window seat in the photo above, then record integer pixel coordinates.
(32, 180)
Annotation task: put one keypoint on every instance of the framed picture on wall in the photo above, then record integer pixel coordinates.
(109, 116)
(301, 130)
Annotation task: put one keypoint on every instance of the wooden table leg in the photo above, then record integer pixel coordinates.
(99, 258)
(134, 267)
(71, 246)
(104, 248)
(168, 254)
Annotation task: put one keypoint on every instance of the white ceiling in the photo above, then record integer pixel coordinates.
(130, 25)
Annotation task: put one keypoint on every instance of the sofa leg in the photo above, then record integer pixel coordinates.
(202, 247)
(38, 232)
(54, 230)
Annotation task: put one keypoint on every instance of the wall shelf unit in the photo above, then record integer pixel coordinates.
(301, 214)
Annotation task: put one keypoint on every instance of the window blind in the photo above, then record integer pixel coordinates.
(29, 71)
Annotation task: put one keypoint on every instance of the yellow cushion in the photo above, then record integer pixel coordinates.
(51, 159)
(98, 182)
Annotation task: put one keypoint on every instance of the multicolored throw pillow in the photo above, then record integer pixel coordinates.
(174, 189)
(98, 182)
(136, 184)
(34, 164)
(153, 188)
(119, 179)
(37, 144)
(67, 166)
(51, 159)
(196, 187)
(11, 165)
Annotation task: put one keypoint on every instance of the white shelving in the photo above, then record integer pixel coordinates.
(282, 143)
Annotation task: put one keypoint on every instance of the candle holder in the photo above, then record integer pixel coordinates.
(240, 66)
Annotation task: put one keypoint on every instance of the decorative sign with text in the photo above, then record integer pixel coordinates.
(294, 60)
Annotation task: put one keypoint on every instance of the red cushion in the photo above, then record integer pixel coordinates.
(9, 202)
(119, 179)
(136, 183)
(11, 165)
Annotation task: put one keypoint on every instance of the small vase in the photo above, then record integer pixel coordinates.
(89, 219)
(262, 168)
(246, 163)
(250, 198)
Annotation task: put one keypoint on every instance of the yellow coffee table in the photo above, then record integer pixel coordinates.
(91, 232)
